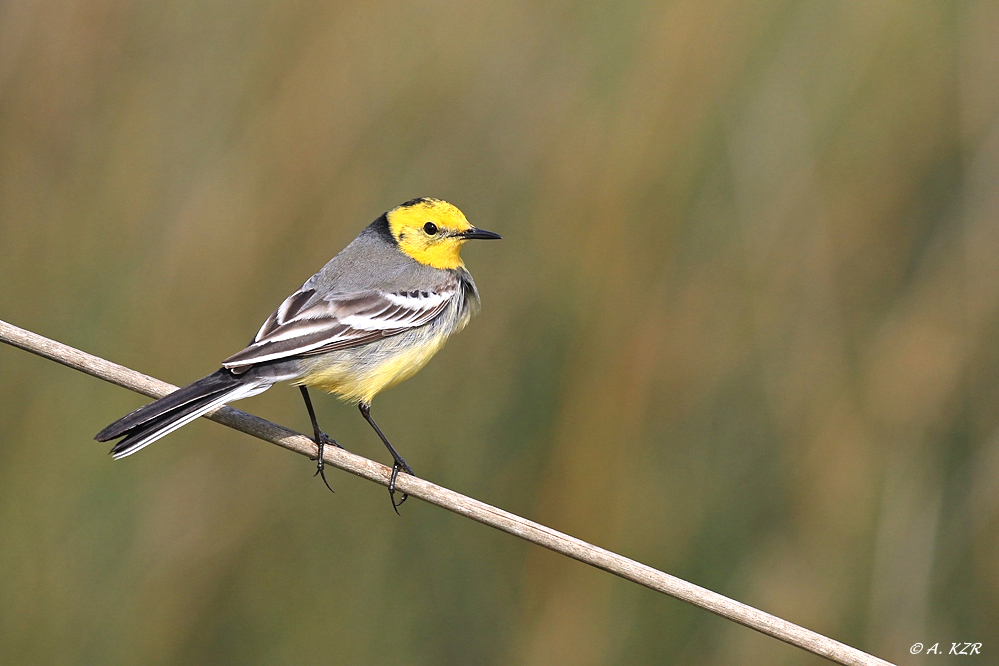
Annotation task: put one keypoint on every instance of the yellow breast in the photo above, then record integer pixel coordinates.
(357, 375)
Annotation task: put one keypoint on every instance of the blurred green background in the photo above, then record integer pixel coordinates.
(743, 327)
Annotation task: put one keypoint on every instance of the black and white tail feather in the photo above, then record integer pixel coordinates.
(161, 417)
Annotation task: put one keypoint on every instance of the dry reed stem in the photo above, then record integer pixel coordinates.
(457, 503)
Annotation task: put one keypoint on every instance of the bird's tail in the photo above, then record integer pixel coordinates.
(160, 418)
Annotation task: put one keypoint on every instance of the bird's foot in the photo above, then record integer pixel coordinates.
(397, 466)
(322, 439)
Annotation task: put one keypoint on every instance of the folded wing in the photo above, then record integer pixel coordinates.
(307, 325)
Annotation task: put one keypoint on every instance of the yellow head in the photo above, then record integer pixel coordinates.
(432, 231)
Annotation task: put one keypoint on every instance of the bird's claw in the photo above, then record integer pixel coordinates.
(399, 465)
(322, 439)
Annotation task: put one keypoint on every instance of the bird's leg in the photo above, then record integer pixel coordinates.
(322, 439)
(399, 463)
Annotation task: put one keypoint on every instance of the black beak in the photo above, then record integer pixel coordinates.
(481, 234)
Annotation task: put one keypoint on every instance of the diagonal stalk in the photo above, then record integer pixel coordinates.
(486, 514)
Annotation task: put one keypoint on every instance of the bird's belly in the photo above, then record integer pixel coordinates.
(359, 373)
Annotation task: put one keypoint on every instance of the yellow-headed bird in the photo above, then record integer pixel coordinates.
(370, 318)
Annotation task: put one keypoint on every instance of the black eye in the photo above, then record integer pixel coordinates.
(430, 228)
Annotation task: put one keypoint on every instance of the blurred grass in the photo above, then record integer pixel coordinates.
(743, 325)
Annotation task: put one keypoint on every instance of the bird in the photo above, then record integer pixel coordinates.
(370, 318)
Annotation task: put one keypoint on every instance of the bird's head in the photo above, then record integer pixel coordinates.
(432, 231)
